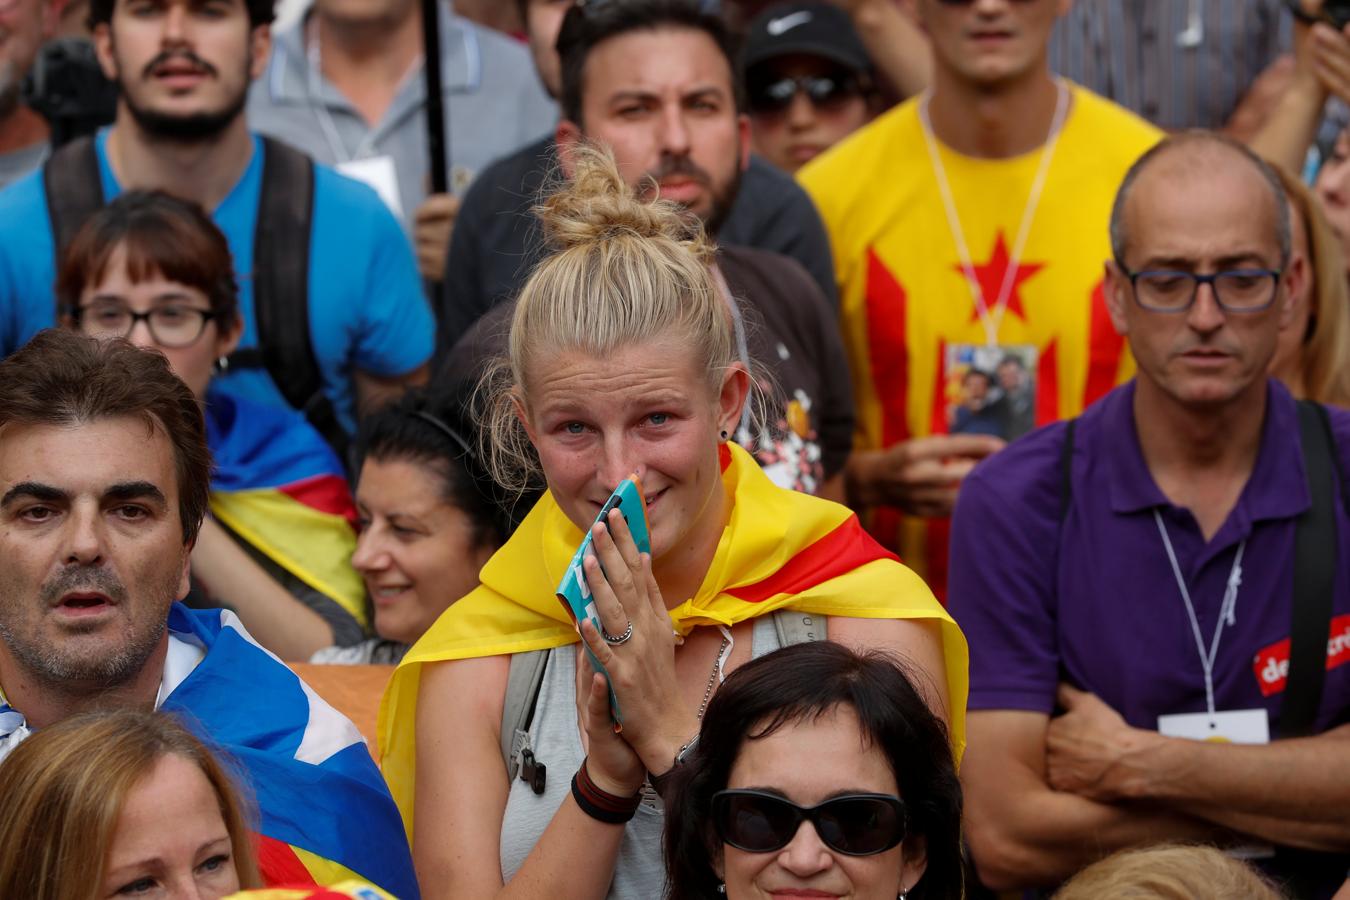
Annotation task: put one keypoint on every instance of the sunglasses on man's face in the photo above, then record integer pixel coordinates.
(852, 824)
(824, 91)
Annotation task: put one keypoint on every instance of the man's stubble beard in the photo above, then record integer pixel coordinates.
(722, 204)
(64, 669)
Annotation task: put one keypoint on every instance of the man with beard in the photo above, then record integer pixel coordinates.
(183, 70)
(104, 477)
(24, 25)
(652, 81)
(498, 245)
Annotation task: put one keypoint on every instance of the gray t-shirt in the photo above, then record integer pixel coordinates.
(494, 104)
(555, 736)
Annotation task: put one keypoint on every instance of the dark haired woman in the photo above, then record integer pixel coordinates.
(429, 520)
(155, 270)
(817, 769)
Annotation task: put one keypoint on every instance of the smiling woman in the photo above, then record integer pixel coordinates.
(622, 362)
(429, 518)
(120, 803)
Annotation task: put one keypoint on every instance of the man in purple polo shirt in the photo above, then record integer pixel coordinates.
(1131, 591)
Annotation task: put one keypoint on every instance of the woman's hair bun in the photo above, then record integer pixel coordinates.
(597, 205)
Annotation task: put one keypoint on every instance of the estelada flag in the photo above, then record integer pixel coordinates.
(279, 487)
(780, 550)
(347, 890)
(325, 813)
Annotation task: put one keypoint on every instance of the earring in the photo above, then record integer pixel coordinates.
(724, 435)
(721, 886)
(903, 894)
(222, 364)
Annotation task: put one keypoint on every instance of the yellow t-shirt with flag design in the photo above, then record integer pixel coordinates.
(904, 297)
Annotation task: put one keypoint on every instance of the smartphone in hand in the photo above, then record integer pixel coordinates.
(575, 594)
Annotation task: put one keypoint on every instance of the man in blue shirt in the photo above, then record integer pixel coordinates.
(183, 70)
(1136, 570)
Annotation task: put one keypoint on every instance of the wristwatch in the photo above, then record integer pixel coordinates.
(659, 782)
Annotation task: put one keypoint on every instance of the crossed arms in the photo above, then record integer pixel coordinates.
(1046, 797)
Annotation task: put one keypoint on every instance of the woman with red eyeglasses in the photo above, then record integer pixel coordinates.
(819, 772)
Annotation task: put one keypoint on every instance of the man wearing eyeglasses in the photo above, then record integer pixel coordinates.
(964, 225)
(1170, 572)
(808, 82)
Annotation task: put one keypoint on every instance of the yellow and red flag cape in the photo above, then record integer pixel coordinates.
(779, 550)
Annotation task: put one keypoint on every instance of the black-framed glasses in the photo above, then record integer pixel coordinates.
(827, 92)
(172, 325)
(1235, 290)
(852, 824)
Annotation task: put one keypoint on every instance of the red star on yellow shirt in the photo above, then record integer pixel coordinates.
(990, 276)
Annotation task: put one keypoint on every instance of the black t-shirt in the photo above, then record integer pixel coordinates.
(496, 241)
(796, 355)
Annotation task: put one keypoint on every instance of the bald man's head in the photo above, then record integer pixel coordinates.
(1189, 155)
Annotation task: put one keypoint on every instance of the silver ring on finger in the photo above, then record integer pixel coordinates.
(616, 640)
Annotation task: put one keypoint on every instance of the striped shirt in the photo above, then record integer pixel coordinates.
(1177, 63)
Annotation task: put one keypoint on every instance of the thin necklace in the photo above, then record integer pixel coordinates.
(992, 322)
(713, 679)
(649, 795)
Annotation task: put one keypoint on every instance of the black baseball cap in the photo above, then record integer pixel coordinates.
(811, 29)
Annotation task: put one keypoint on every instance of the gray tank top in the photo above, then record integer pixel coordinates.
(639, 873)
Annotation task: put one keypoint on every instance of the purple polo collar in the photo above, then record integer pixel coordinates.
(1277, 489)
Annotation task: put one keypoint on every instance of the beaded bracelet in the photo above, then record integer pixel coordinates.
(599, 804)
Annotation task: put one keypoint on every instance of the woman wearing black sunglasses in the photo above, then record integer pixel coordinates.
(820, 734)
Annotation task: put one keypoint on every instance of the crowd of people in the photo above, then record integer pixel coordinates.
(954, 352)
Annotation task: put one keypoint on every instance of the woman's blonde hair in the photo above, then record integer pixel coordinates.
(64, 789)
(1324, 352)
(625, 271)
(1168, 872)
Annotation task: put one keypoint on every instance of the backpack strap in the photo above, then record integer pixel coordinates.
(795, 627)
(74, 189)
(281, 258)
(1315, 545)
(1066, 470)
(523, 683)
(1315, 550)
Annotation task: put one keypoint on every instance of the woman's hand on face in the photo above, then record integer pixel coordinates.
(641, 669)
(612, 764)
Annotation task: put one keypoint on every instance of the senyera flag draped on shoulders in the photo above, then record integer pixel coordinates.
(326, 814)
(280, 487)
(780, 549)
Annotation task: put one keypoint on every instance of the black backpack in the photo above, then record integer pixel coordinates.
(280, 267)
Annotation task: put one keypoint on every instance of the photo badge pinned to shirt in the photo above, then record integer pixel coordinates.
(379, 173)
(990, 389)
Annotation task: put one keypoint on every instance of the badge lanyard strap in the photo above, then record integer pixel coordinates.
(1227, 610)
(992, 322)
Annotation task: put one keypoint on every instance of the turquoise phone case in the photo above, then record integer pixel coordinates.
(573, 592)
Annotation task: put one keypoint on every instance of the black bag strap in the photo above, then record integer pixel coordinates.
(281, 290)
(74, 188)
(1066, 470)
(1315, 545)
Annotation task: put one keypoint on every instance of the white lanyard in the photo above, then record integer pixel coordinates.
(991, 322)
(1227, 610)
